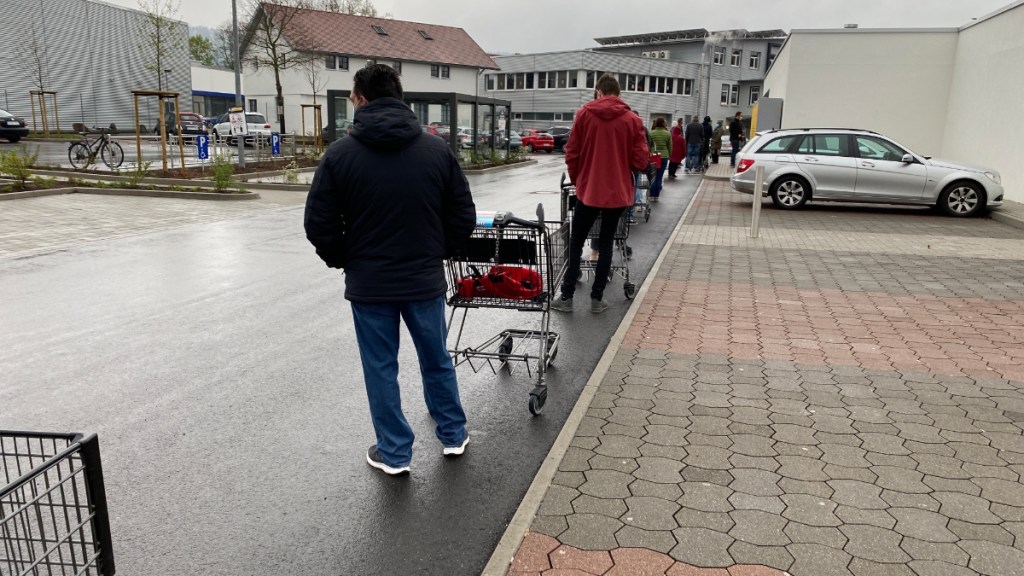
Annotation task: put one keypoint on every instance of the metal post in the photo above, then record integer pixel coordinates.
(163, 133)
(42, 112)
(755, 221)
(238, 79)
(56, 114)
(138, 137)
(181, 143)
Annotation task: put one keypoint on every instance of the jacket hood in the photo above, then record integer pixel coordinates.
(609, 108)
(386, 124)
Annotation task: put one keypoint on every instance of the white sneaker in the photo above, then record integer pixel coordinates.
(459, 450)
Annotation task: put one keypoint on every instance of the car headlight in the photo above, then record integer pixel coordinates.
(993, 177)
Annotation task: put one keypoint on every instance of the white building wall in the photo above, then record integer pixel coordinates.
(985, 119)
(297, 89)
(208, 79)
(893, 82)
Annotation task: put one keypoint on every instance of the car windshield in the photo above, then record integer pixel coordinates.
(255, 119)
(5, 113)
(190, 118)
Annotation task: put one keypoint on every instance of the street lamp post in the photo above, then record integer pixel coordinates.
(238, 78)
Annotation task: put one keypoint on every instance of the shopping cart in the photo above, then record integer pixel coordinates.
(509, 264)
(623, 252)
(642, 196)
(53, 507)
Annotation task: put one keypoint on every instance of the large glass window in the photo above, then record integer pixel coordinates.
(755, 60)
(778, 146)
(831, 145)
(563, 79)
(725, 94)
(529, 80)
(720, 56)
(878, 149)
(520, 81)
(489, 81)
(737, 56)
(686, 87)
(591, 78)
(755, 93)
(734, 95)
(501, 81)
(542, 80)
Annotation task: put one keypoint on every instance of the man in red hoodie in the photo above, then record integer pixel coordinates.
(606, 144)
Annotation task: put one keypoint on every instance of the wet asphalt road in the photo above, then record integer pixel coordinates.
(218, 364)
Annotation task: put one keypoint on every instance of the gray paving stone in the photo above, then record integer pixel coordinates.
(922, 550)
(942, 466)
(993, 559)
(890, 460)
(610, 507)
(708, 457)
(695, 439)
(655, 489)
(613, 429)
(682, 422)
(558, 501)
(857, 494)
(585, 442)
(846, 456)
(1001, 491)
(599, 413)
(626, 465)
(671, 452)
(922, 525)
(756, 482)
(665, 435)
(603, 400)
(628, 416)
(937, 568)
(702, 547)
(900, 479)
(606, 484)
(954, 423)
(570, 479)
(843, 473)
(752, 445)
(975, 454)
(810, 510)
(825, 536)
(1001, 472)
(590, 426)
(758, 527)
(619, 446)
(625, 402)
(773, 556)
(576, 460)
(771, 504)
(873, 543)
(965, 507)
(869, 414)
(879, 518)
(633, 537)
(718, 521)
(591, 532)
(818, 560)
(840, 439)
(819, 489)
(802, 468)
(883, 443)
(661, 470)
(986, 532)
(862, 567)
(550, 525)
(1017, 529)
(786, 449)
(672, 407)
(904, 500)
(751, 416)
(694, 474)
(833, 424)
(947, 485)
(705, 496)
(650, 513)
(761, 463)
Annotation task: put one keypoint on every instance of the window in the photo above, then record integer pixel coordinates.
(501, 81)
(563, 79)
(510, 81)
(426, 35)
(517, 115)
(878, 149)
(342, 62)
(719, 56)
(446, 71)
(686, 87)
(397, 66)
(489, 81)
(435, 72)
(734, 96)
(630, 82)
(755, 93)
(806, 146)
(830, 145)
(755, 60)
(725, 94)
(529, 80)
(331, 61)
(641, 83)
(661, 85)
(668, 86)
(737, 56)
(252, 105)
(379, 30)
(592, 79)
(779, 145)
(542, 80)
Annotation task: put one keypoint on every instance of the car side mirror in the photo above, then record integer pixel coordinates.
(908, 159)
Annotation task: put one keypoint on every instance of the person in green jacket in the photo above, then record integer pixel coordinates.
(662, 141)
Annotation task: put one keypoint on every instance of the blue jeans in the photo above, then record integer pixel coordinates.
(638, 198)
(377, 328)
(583, 218)
(735, 151)
(657, 184)
(692, 156)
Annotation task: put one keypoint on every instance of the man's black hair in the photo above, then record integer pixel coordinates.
(377, 81)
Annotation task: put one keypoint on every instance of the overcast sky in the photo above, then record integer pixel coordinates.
(548, 25)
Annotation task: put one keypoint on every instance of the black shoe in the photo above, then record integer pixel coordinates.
(374, 460)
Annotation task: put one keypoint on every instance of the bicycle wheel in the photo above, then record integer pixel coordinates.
(78, 155)
(112, 154)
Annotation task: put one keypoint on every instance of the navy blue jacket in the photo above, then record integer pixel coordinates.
(388, 204)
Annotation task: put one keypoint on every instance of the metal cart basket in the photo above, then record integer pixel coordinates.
(643, 199)
(53, 506)
(623, 252)
(509, 264)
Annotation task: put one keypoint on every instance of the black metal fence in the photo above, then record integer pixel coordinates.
(53, 507)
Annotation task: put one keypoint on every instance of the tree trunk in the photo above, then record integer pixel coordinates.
(279, 102)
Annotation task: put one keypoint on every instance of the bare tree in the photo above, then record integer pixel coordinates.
(224, 46)
(161, 32)
(313, 70)
(358, 7)
(34, 60)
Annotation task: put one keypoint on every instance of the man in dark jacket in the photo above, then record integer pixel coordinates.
(694, 140)
(387, 205)
(735, 135)
(705, 148)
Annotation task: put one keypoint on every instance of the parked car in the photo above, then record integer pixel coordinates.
(802, 165)
(464, 137)
(256, 122)
(561, 136)
(11, 127)
(441, 132)
(538, 140)
(515, 142)
(191, 124)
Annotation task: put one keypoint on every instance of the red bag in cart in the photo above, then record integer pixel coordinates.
(511, 282)
(653, 165)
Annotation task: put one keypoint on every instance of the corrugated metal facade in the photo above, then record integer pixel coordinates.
(95, 55)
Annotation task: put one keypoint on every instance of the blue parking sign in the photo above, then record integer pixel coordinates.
(203, 146)
(275, 143)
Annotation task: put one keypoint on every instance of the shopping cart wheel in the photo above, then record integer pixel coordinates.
(629, 252)
(647, 213)
(537, 400)
(505, 348)
(630, 290)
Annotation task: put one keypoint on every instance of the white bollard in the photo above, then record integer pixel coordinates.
(755, 221)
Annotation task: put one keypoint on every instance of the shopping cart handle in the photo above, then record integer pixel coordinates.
(503, 219)
(565, 182)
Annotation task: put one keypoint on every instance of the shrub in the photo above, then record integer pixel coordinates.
(18, 165)
(223, 172)
(291, 173)
(137, 173)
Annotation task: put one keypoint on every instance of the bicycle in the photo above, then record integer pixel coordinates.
(83, 153)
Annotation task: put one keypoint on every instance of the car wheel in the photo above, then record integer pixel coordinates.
(529, 148)
(962, 199)
(789, 192)
(549, 151)
(13, 139)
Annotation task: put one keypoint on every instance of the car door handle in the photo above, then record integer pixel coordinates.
(868, 164)
(810, 158)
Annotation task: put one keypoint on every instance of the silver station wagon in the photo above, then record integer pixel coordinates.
(843, 165)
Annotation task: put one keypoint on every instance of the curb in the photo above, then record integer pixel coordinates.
(1006, 218)
(505, 551)
(130, 192)
(500, 168)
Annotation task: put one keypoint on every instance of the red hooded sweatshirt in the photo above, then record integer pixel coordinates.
(606, 144)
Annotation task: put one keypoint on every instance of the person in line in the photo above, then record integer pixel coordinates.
(735, 136)
(694, 136)
(675, 160)
(390, 231)
(705, 149)
(606, 145)
(716, 142)
(663, 146)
